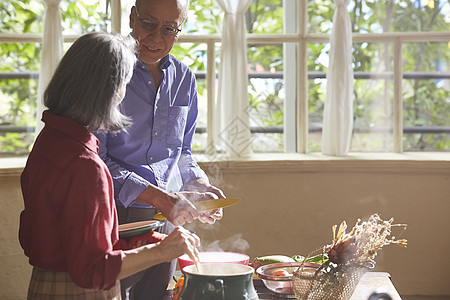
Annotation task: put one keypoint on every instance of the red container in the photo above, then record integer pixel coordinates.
(215, 257)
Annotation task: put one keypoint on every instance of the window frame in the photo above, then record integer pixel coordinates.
(296, 126)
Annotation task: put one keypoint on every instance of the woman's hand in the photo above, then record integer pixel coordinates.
(179, 242)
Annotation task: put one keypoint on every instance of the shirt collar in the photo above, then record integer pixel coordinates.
(72, 129)
(165, 62)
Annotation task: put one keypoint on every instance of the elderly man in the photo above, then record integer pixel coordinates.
(151, 162)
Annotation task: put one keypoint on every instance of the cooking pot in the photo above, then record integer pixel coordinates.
(218, 281)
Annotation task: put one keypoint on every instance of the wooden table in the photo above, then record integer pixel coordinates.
(370, 282)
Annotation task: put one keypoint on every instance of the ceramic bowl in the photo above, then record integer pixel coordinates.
(279, 285)
(215, 257)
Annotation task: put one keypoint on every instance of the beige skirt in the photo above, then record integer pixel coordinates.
(58, 285)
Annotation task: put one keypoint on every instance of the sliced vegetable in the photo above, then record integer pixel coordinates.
(298, 258)
(280, 272)
(178, 287)
(318, 259)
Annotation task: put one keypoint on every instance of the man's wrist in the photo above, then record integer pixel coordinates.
(152, 195)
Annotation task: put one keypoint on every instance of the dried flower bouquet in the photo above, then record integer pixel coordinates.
(350, 255)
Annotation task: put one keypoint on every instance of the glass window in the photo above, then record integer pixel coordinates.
(20, 62)
(204, 17)
(375, 16)
(265, 17)
(426, 97)
(267, 96)
(373, 97)
(85, 16)
(380, 28)
(22, 16)
(195, 56)
(425, 85)
(19, 69)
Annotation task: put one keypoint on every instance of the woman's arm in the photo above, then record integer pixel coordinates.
(179, 242)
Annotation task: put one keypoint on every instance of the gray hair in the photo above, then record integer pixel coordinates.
(86, 84)
(183, 3)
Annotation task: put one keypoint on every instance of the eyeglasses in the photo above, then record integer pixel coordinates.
(149, 26)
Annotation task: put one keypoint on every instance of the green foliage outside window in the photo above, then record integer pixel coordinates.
(426, 101)
(19, 93)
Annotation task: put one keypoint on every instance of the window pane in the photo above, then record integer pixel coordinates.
(377, 16)
(204, 17)
(27, 16)
(423, 15)
(21, 16)
(373, 97)
(372, 109)
(316, 100)
(426, 97)
(265, 17)
(17, 114)
(200, 138)
(194, 55)
(79, 17)
(317, 55)
(19, 67)
(267, 96)
(320, 15)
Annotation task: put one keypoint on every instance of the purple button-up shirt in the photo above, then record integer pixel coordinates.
(156, 149)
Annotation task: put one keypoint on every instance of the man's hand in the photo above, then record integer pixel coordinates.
(179, 207)
(211, 217)
(202, 185)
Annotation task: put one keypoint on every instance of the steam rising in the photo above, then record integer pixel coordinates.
(234, 243)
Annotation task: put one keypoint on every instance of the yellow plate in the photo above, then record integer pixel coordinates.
(207, 205)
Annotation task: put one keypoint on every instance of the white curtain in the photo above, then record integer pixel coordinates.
(116, 22)
(338, 110)
(232, 127)
(52, 50)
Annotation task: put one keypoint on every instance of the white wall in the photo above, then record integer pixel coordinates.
(289, 206)
(16, 271)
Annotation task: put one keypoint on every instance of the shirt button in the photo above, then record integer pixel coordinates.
(149, 82)
(156, 107)
(156, 132)
(151, 157)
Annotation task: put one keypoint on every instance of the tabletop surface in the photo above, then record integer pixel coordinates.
(369, 283)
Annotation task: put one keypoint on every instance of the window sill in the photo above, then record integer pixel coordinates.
(12, 166)
(420, 162)
(312, 162)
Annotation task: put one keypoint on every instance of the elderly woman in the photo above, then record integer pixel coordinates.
(69, 227)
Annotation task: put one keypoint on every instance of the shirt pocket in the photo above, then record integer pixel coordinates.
(176, 125)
